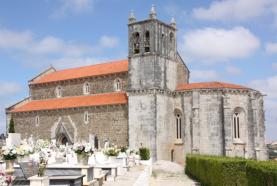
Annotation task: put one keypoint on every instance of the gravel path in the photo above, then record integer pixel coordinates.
(127, 179)
(170, 174)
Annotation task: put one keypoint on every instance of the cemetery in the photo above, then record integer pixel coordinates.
(43, 163)
(139, 121)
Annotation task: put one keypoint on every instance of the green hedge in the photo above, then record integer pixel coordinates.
(261, 173)
(225, 171)
(144, 153)
(216, 171)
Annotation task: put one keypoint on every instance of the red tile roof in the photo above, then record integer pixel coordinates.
(87, 71)
(74, 102)
(208, 85)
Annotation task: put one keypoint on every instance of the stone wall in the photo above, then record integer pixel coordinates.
(186, 105)
(208, 116)
(166, 127)
(182, 71)
(109, 122)
(142, 122)
(152, 72)
(100, 84)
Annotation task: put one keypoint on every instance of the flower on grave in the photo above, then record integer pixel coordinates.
(84, 149)
(24, 150)
(111, 151)
(43, 160)
(5, 180)
(9, 152)
(41, 144)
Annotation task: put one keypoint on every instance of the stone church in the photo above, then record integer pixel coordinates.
(145, 100)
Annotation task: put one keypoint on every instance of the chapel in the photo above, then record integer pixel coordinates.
(145, 100)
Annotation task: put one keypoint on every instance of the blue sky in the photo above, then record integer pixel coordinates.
(228, 40)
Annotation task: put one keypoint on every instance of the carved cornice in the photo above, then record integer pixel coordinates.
(216, 90)
(151, 91)
(81, 109)
(221, 91)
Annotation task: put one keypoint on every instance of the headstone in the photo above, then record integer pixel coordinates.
(14, 139)
(31, 140)
(92, 140)
(106, 144)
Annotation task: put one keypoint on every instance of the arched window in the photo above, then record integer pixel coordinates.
(86, 117)
(117, 85)
(37, 120)
(147, 42)
(136, 43)
(59, 91)
(178, 126)
(236, 125)
(86, 88)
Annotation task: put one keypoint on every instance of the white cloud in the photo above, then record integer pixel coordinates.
(267, 86)
(9, 88)
(232, 70)
(75, 62)
(72, 7)
(52, 50)
(108, 42)
(212, 44)
(206, 75)
(12, 39)
(25, 42)
(239, 10)
(271, 48)
(52, 45)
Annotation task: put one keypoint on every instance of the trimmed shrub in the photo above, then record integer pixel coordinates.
(144, 153)
(217, 171)
(226, 171)
(261, 173)
(11, 126)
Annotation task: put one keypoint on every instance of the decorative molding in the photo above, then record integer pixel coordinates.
(98, 107)
(74, 127)
(151, 91)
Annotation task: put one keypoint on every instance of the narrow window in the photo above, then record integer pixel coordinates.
(117, 85)
(86, 88)
(177, 133)
(235, 128)
(236, 124)
(136, 43)
(86, 117)
(178, 126)
(37, 120)
(238, 135)
(147, 42)
(163, 43)
(171, 37)
(59, 91)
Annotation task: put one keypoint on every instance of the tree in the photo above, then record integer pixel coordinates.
(11, 126)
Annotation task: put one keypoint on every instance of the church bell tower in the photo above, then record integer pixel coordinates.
(153, 63)
(152, 53)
